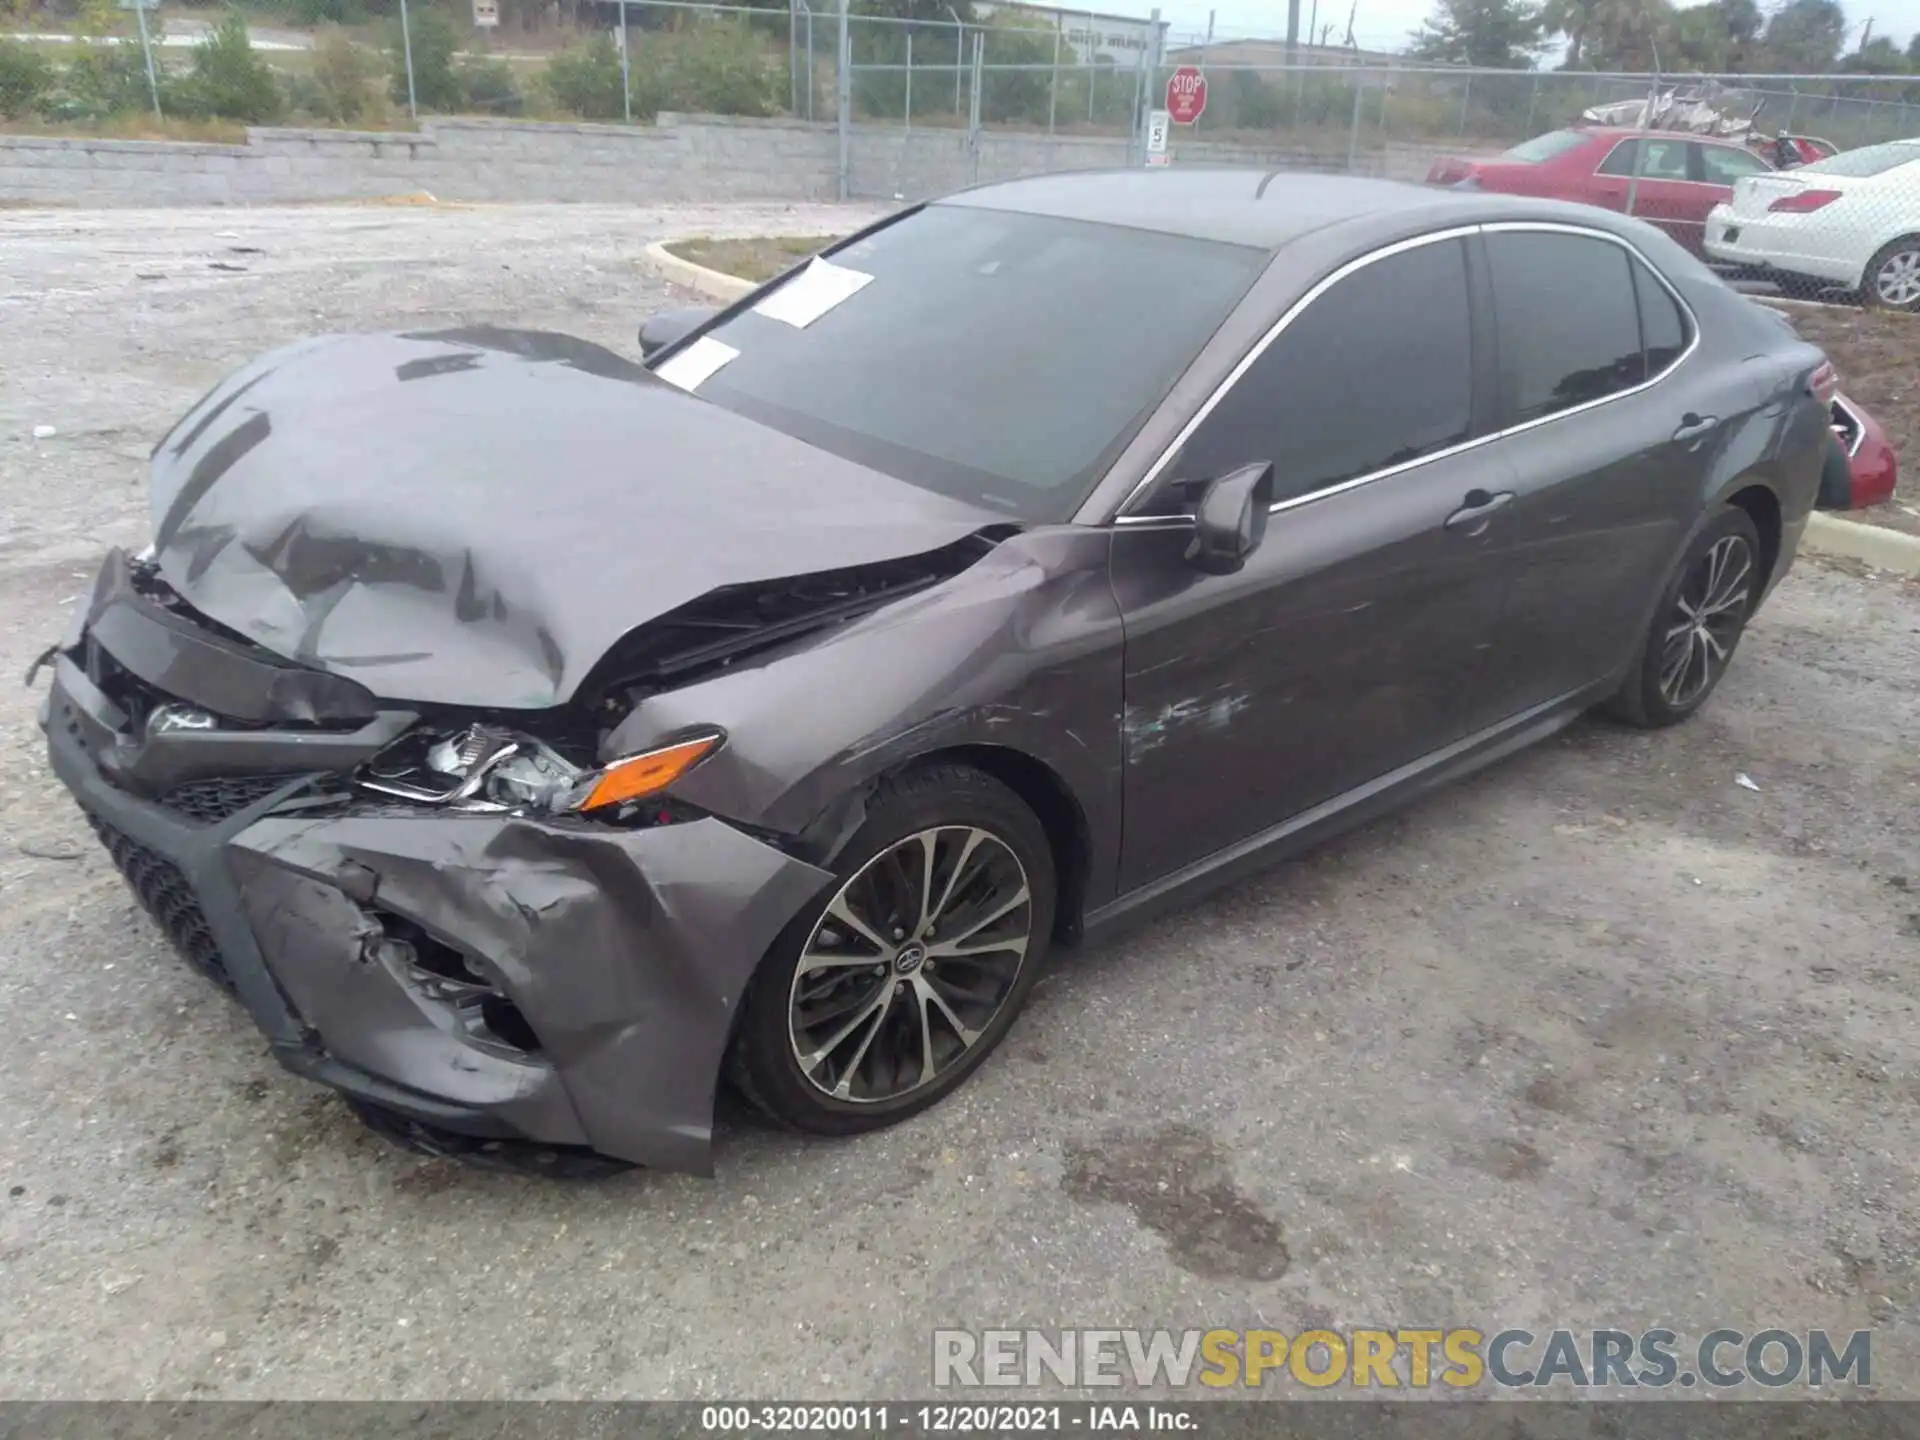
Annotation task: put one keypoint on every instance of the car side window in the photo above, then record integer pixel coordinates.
(1666, 160)
(1567, 321)
(1722, 164)
(1375, 372)
(1663, 324)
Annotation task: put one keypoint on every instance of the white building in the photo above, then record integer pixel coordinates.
(1090, 35)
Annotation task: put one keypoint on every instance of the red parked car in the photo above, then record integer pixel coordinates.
(1870, 470)
(1681, 178)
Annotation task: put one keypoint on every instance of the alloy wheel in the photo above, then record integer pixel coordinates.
(1897, 281)
(1706, 620)
(913, 959)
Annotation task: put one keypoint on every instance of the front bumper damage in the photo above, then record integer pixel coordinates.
(588, 977)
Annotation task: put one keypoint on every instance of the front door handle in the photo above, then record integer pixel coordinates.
(1694, 428)
(1476, 512)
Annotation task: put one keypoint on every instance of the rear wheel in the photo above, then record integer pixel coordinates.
(881, 1001)
(1892, 280)
(1702, 614)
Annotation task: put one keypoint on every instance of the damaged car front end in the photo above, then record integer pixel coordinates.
(404, 801)
(477, 965)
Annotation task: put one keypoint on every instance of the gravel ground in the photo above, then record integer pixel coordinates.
(1601, 1037)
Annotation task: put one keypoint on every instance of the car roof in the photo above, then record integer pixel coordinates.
(1266, 209)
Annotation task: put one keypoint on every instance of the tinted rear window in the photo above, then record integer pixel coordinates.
(1002, 359)
(1568, 321)
(1868, 160)
(1545, 147)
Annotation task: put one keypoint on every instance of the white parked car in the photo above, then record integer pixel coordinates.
(1852, 219)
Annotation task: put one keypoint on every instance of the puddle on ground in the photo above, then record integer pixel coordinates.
(1179, 1184)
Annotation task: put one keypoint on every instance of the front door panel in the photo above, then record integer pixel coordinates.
(1352, 643)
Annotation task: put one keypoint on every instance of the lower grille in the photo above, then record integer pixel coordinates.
(208, 802)
(166, 895)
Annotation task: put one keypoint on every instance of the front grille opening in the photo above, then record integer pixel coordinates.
(208, 802)
(503, 1017)
(165, 894)
(448, 976)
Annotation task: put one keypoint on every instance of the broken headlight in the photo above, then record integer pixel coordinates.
(492, 770)
(483, 768)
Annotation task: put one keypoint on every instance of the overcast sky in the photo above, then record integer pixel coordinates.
(1386, 24)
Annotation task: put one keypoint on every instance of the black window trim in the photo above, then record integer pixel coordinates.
(1457, 232)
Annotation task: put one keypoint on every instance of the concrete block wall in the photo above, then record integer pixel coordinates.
(682, 157)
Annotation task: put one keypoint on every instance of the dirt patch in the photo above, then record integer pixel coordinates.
(757, 259)
(1878, 356)
(1176, 1181)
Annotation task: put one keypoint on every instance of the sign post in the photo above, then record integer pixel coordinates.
(140, 8)
(1186, 95)
(1157, 124)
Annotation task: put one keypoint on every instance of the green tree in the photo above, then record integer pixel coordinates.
(229, 80)
(436, 85)
(1879, 56)
(25, 79)
(1502, 34)
(1718, 37)
(1804, 36)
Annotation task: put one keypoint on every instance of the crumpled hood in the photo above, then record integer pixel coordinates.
(474, 517)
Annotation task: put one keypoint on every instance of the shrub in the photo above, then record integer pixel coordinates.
(229, 80)
(436, 85)
(326, 12)
(716, 67)
(490, 88)
(585, 81)
(25, 78)
(340, 89)
(100, 80)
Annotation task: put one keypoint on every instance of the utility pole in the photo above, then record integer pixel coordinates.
(1866, 34)
(1293, 31)
(1353, 12)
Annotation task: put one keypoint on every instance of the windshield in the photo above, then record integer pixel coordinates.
(1545, 147)
(1001, 359)
(1868, 160)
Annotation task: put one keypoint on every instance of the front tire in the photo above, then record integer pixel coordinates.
(882, 998)
(1702, 614)
(1892, 280)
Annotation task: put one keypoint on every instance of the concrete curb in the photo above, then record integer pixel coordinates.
(1883, 549)
(714, 284)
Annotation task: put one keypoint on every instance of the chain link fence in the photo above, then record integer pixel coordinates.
(928, 105)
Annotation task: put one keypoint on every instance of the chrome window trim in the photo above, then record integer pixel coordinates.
(1853, 418)
(1327, 283)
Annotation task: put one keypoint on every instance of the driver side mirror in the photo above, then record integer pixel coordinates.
(1230, 519)
(659, 331)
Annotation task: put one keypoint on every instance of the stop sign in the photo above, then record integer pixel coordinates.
(1186, 94)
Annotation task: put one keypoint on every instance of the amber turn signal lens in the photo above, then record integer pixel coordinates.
(647, 774)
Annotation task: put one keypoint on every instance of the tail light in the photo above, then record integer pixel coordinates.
(1803, 202)
(1824, 382)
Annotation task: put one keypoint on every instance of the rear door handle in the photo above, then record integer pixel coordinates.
(1476, 512)
(1695, 427)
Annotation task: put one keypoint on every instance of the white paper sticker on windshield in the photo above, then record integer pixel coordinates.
(812, 293)
(692, 367)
